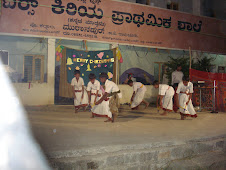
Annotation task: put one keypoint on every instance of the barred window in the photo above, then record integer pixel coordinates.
(34, 68)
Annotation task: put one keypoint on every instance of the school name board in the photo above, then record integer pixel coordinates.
(112, 22)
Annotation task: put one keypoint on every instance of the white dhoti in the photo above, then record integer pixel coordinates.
(78, 102)
(139, 96)
(102, 110)
(187, 110)
(167, 101)
(93, 96)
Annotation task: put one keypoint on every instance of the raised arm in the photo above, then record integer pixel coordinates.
(157, 101)
(89, 96)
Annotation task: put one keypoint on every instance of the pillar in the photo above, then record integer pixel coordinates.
(51, 69)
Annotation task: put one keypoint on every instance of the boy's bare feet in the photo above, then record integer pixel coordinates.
(84, 109)
(182, 117)
(146, 105)
(76, 110)
(163, 114)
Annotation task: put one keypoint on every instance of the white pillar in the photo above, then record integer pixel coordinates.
(196, 7)
(112, 46)
(51, 69)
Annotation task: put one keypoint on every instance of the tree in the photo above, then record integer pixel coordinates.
(203, 63)
(174, 62)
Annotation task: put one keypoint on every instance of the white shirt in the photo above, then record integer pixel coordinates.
(77, 84)
(110, 87)
(137, 85)
(177, 76)
(186, 89)
(163, 88)
(93, 86)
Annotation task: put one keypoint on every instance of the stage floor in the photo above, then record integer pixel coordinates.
(58, 128)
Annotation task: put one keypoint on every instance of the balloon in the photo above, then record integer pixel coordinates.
(58, 58)
(60, 55)
(121, 60)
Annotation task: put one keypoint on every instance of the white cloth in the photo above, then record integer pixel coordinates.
(139, 90)
(186, 109)
(93, 88)
(103, 108)
(177, 76)
(78, 101)
(168, 93)
(183, 99)
(185, 89)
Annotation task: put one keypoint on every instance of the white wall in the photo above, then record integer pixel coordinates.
(127, 92)
(37, 93)
(145, 58)
(20, 46)
(40, 93)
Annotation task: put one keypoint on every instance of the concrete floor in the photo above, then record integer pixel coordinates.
(58, 128)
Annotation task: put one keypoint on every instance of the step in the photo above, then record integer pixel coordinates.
(149, 156)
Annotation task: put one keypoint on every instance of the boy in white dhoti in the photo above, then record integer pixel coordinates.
(185, 90)
(79, 93)
(165, 97)
(108, 104)
(138, 94)
(93, 89)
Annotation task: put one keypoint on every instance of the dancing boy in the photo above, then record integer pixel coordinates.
(93, 89)
(165, 97)
(185, 90)
(79, 93)
(138, 94)
(108, 104)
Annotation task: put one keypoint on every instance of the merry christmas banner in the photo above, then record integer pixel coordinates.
(89, 62)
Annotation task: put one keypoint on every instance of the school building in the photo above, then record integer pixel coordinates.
(39, 41)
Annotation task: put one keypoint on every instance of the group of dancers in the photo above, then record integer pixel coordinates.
(182, 98)
(104, 99)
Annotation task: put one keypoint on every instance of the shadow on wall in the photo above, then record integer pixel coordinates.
(140, 75)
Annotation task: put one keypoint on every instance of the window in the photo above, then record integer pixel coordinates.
(173, 6)
(33, 68)
(4, 57)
